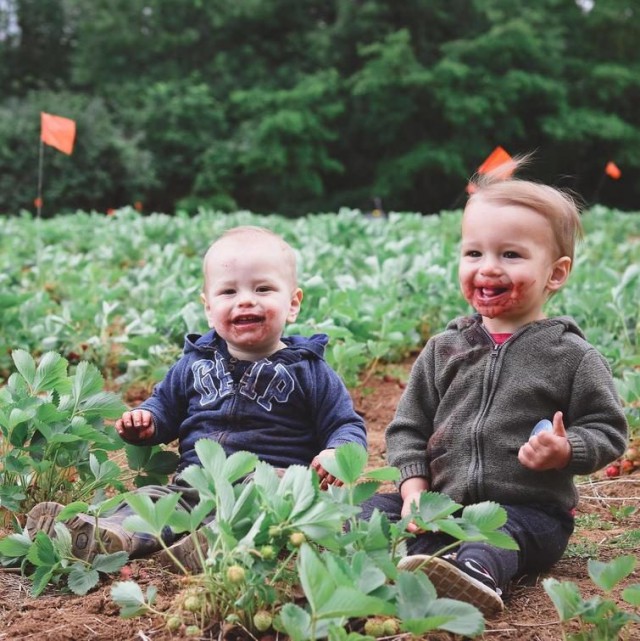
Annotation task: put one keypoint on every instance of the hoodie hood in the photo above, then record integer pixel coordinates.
(474, 321)
(298, 346)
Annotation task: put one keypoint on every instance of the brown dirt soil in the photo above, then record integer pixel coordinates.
(529, 615)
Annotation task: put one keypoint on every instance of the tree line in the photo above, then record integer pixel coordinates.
(297, 106)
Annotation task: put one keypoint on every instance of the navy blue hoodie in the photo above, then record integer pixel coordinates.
(285, 408)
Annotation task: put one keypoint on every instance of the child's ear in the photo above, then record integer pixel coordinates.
(207, 309)
(560, 273)
(294, 306)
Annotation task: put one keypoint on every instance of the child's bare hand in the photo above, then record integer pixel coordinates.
(547, 450)
(413, 498)
(410, 490)
(136, 425)
(326, 479)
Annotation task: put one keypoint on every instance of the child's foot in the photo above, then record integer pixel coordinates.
(190, 550)
(465, 581)
(82, 529)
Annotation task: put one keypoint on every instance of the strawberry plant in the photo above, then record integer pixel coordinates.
(50, 560)
(277, 554)
(55, 444)
(599, 618)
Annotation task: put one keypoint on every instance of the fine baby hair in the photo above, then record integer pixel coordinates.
(248, 232)
(558, 206)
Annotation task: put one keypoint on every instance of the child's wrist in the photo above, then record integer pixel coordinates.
(412, 486)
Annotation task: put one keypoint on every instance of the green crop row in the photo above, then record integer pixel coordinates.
(121, 291)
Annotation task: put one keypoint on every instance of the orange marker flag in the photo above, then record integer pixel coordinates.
(612, 170)
(496, 158)
(57, 132)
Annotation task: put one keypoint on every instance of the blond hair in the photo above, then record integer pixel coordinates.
(288, 255)
(558, 207)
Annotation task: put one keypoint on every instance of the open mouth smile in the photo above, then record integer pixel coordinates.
(490, 293)
(247, 320)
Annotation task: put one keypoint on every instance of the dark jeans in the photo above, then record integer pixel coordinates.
(541, 531)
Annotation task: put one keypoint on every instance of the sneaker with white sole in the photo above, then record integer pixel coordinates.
(84, 531)
(464, 581)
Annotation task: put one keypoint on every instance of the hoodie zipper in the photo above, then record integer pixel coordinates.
(495, 352)
(496, 349)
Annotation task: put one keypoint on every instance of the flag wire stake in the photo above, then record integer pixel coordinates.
(39, 207)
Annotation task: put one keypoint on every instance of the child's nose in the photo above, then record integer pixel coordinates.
(247, 298)
(490, 265)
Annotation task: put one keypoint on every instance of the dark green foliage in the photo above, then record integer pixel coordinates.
(287, 106)
(108, 167)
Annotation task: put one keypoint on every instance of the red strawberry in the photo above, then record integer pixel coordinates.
(627, 466)
(612, 471)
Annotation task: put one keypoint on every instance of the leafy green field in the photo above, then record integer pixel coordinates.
(121, 291)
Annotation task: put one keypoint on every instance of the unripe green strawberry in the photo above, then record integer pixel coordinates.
(267, 552)
(173, 623)
(235, 574)
(374, 627)
(192, 603)
(192, 631)
(262, 620)
(391, 627)
(297, 539)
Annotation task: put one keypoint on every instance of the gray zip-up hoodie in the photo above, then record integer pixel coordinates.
(470, 405)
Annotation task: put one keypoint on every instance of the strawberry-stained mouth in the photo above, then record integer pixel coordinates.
(492, 301)
(487, 294)
(247, 319)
